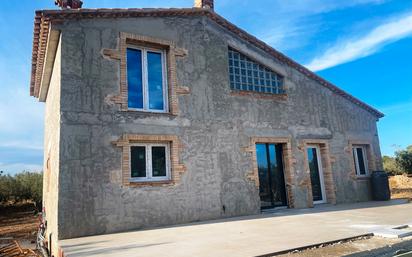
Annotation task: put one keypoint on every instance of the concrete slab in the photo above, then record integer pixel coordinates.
(248, 236)
(394, 232)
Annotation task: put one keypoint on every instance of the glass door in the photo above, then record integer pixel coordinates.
(316, 175)
(272, 188)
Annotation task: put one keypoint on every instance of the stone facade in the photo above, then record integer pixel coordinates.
(213, 130)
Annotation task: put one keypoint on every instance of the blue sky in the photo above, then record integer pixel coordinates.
(362, 46)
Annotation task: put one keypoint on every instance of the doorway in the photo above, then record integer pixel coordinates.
(316, 174)
(272, 189)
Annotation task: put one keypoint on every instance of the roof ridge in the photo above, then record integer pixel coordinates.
(43, 17)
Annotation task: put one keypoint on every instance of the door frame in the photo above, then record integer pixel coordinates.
(288, 164)
(320, 169)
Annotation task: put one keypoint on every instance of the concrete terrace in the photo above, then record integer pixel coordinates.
(249, 235)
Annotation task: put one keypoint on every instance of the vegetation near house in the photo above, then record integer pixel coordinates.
(24, 186)
(400, 164)
(404, 159)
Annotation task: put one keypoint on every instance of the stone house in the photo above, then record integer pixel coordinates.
(165, 116)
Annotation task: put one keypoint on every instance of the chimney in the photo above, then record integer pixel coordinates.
(207, 4)
(72, 4)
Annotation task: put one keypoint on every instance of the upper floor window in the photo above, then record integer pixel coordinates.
(248, 75)
(361, 163)
(146, 79)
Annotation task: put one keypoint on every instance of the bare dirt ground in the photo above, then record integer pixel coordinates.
(363, 247)
(18, 222)
(401, 186)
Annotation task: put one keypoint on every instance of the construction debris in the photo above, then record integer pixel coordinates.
(14, 250)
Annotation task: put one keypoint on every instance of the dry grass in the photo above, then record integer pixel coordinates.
(401, 186)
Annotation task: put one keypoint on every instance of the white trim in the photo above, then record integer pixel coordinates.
(321, 177)
(356, 159)
(145, 79)
(149, 169)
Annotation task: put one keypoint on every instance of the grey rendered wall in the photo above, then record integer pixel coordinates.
(213, 126)
(51, 151)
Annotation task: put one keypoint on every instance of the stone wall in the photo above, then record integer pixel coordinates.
(213, 126)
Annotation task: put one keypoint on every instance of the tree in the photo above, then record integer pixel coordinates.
(7, 187)
(404, 159)
(391, 166)
(22, 186)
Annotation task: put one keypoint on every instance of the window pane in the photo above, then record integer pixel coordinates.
(257, 75)
(314, 174)
(138, 161)
(361, 160)
(155, 80)
(134, 78)
(276, 174)
(159, 161)
(263, 168)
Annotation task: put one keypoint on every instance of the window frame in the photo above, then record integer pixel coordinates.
(149, 169)
(145, 82)
(356, 160)
(320, 171)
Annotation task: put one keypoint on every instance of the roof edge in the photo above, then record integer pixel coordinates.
(290, 62)
(44, 17)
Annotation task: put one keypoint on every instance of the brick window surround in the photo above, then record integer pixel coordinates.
(326, 160)
(288, 162)
(176, 168)
(172, 51)
(369, 156)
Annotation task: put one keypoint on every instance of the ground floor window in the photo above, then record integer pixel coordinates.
(149, 162)
(361, 163)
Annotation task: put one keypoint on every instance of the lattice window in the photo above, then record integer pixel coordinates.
(248, 75)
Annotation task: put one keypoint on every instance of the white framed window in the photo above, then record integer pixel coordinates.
(149, 162)
(360, 159)
(146, 79)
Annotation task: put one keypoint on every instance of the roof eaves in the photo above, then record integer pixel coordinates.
(43, 18)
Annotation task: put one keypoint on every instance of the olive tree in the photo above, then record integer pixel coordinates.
(404, 159)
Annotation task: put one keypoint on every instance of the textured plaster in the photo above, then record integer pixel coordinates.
(213, 126)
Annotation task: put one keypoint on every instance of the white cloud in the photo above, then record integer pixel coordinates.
(355, 48)
(19, 144)
(322, 6)
(293, 24)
